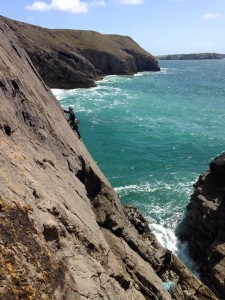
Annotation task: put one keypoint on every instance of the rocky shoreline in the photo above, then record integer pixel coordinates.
(69, 59)
(64, 233)
(192, 56)
(205, 226)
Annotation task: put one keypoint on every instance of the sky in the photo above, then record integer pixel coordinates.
(159, 26)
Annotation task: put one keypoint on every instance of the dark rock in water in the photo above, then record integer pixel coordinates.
(217, 167)
(77, 58)
(205, 226)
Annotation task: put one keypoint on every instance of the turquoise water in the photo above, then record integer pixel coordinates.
(153, 134)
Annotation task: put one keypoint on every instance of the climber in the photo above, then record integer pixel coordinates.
(72, 119)
(165, 260)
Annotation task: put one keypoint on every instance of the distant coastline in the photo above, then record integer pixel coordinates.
(197, 56)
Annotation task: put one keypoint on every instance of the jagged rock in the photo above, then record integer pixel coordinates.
(64, 234)
(217, 167)
(186, 285)
(205, 225)
(76, 58)
(137, 219)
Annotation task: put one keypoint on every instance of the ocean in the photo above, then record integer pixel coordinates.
(153, 134)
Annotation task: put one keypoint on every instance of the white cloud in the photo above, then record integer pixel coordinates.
(134, 2)
(73, 6)
(38, 5)
(211, 16)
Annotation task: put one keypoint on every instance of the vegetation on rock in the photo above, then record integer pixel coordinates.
(77, 58)
(193, 56)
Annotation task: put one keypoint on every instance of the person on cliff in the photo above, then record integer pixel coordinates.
(72, 119)
(165, 260)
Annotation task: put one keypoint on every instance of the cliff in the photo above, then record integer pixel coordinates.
(191, 56)
(205, 225)
(64, 233)
(76, 58)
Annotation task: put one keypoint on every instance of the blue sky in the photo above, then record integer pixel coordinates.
(158, 26)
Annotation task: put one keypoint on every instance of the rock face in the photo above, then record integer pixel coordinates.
(205, 225)
(63, 231)
(76, 58)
